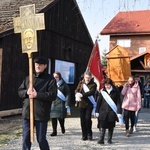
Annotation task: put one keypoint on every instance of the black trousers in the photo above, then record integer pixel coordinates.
(86, 122)
(129, 115)
(54, 123)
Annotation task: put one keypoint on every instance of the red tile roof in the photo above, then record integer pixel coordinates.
(129, 22)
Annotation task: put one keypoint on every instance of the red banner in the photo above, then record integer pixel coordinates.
(95, 66)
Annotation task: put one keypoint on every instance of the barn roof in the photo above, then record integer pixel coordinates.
(9, 9)
(129, 22)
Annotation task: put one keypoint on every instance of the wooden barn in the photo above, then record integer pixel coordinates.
(66, 42)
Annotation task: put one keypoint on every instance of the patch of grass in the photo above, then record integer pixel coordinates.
(11, 134)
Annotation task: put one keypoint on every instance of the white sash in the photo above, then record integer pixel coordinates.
(61, 95)
(112, 105)
(91, 98)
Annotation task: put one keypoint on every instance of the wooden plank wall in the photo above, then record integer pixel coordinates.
(65, 38)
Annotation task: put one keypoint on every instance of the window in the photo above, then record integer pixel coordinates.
(67, 70)
(124, 42)
(142, 49)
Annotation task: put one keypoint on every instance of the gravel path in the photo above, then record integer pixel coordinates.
(71, 140)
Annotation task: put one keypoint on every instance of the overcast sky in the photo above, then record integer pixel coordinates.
(98, 13)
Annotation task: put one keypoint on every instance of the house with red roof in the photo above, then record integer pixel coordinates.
(131, 30)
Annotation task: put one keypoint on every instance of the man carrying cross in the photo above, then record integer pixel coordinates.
(39, 89)
(44, 91)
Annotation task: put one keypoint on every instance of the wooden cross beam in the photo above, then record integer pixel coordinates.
(27, 24)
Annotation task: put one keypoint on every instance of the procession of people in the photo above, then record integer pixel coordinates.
(52, 101)
(48, 98)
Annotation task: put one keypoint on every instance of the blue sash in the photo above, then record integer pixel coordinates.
(112, 105)
(61, 95)
(91, 98)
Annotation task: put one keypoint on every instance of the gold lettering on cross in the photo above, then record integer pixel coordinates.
(27, 24)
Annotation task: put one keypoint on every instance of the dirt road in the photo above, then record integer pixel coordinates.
(71, 140)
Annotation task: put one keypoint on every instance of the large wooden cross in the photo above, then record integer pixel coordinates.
(27, 24)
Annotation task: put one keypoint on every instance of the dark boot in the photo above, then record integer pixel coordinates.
(84, 138)
(54, 133)
(110, 134)
(54, 126)
(90, 137)
(102, 135)
(62, 122)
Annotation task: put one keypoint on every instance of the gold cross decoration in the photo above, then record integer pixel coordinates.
(27, 24)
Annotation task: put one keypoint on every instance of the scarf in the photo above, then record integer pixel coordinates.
(109, 90)
(59, 83)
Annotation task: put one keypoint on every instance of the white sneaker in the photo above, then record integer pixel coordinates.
(134, 129)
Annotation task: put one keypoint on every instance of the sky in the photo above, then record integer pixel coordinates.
(98, 13)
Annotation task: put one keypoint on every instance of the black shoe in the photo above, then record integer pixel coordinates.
(109, 142)
(84, 138)
(54, 134)
(89, 138)
(63, 130)
(100, 142)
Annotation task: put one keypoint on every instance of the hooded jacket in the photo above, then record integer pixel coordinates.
(132, 97)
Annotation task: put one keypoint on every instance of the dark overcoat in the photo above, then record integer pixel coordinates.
(46, 88)
(85, 102)
(105, 111)
(58, 108)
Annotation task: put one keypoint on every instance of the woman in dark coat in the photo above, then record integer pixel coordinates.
(106, 115)
(60, 105)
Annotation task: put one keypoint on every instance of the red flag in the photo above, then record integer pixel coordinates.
(95, 66)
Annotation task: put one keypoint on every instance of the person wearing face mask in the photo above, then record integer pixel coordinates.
(108, 109)
(60, 107)
(84, 95)
(131, 103)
